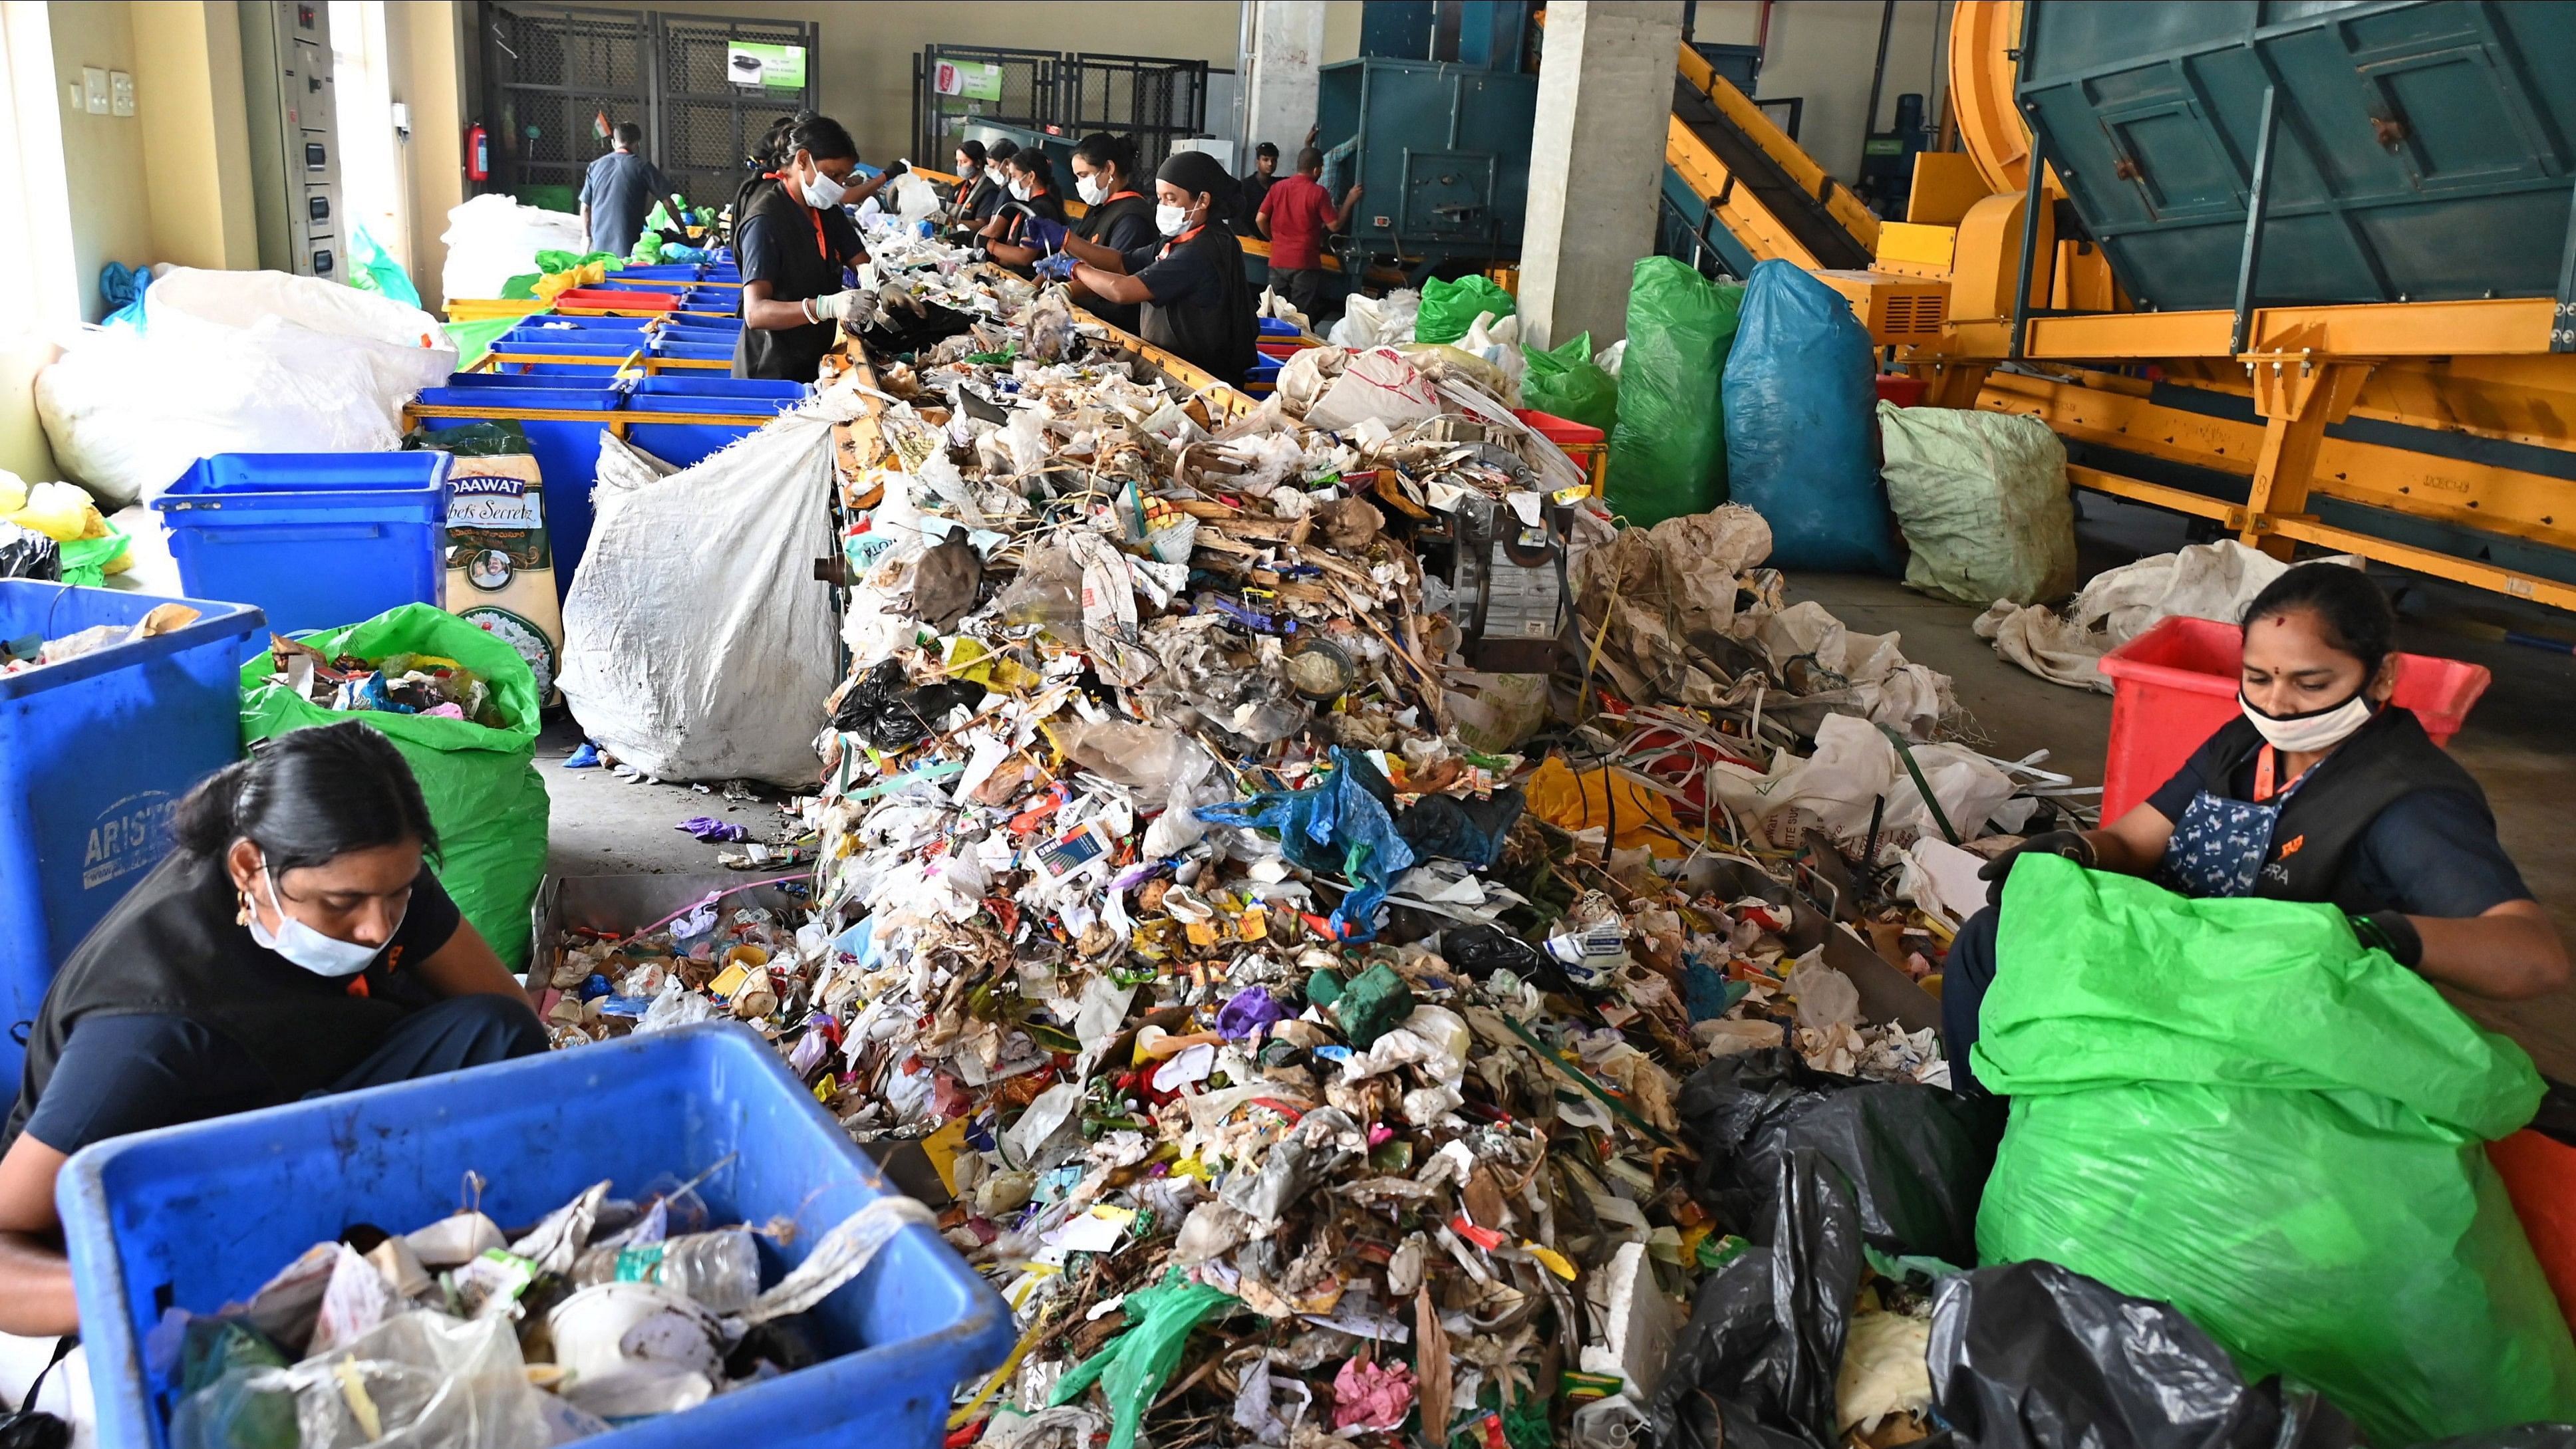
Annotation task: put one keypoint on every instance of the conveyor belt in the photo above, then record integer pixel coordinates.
(1759, 185)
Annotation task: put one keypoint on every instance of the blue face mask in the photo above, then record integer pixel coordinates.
(326, 956)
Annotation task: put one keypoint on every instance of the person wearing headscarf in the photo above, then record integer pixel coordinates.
(1194, 301)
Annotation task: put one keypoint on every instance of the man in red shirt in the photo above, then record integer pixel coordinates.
(1295, 215)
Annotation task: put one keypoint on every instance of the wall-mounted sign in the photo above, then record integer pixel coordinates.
(765, 67)
(975, 80)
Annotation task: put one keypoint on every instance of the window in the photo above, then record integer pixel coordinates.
(372, 165)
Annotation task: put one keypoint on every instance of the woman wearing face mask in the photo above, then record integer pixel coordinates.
(1195, 302)
(1120, 220)
(793, 241)
(2319, 791)
(294, 943)
(977, 192)
(1030, 225)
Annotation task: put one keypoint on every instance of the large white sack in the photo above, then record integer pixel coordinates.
(235, 362)
(492, 238)
(697, 645)
(2202, 581)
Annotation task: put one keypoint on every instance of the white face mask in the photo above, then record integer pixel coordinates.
(1092, 189)
(2312, 733)
(1171, 220)
(823, 193)
(326, 956)
(1019, 191)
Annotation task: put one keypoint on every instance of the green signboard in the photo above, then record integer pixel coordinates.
(765, 67)
(974, 80)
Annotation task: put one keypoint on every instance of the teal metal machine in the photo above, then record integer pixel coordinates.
(1433, 121)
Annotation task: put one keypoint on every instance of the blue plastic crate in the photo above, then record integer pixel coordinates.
(684, 271)
(546, 393)
(694, 332)
(200, 1215)
(695, 351)
(759, 397)
(96, 751)
(507, 386)
(1276, 327)
(317, 540)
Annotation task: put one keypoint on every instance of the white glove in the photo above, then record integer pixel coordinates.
(853, 309)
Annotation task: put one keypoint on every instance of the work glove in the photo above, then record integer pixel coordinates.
(2390, 932)
(853, 309)
(2067, 843)
(899, 167)
(1059, 267)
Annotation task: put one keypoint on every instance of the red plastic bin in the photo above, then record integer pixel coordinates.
(1903, 389)
(1588, 446)
(2174, 685)
(574, 299)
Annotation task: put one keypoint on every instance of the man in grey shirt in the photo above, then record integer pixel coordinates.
(618, 192)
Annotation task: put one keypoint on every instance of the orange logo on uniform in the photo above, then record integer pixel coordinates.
(2292, 848)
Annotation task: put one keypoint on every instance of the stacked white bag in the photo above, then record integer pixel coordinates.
(235, 362)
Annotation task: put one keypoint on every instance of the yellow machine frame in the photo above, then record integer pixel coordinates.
(2478, 368)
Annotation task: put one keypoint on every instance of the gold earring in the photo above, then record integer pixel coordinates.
(241, 917)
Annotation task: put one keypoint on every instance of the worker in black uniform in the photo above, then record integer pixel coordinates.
(793, 242)
(1120, 220)
(294, 943)
(976, 186)
(1196, 303)
(2322, 791)
(1030, 225)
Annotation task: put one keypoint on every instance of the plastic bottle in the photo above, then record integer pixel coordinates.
(720, 1270)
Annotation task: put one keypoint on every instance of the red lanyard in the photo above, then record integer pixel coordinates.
(1180, 240)
(820, 249)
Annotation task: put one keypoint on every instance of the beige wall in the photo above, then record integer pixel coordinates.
(864, 73)
(1821, 50)
(424, 42)
(103, 160)
(1341, 30)
(196, 132)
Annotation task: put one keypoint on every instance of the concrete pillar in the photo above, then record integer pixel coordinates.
(1605, 93)
(1279, 85)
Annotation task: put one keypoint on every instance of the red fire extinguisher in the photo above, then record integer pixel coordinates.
(478, 153)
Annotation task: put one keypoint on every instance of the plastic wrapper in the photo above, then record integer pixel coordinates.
(2154, 1045)
(1132, 1369)
(1668, 455)
(1801, 434)
(27, 554)
(418, 1381)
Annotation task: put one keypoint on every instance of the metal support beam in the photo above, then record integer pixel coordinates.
(2562, 321)
(2032, 200)
(2250, 257)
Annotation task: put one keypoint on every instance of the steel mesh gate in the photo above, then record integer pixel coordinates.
(1154, 99)
(1027, 96)
(550, 71)
(704, 125)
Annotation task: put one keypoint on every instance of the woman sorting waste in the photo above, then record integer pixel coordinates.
(1120, 220)
(976, 188)
(2321, 791)
(1196, 303)
(793, 240)
(293, 944)
(1030, 226)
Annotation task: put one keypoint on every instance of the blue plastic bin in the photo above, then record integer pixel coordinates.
(201, 1215)
(761, 397)
(545, 393)
(695, 332)
(695, 351)
(685, 271)
(1277, 327)
(508, 386)
(317, 540)
(97, 751)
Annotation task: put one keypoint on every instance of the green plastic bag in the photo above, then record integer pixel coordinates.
(1135, 1364)
(521, 288)
(484, 793)
(85, 560)
(1450, 308)
(1982, 499)
(377, 271)
(1668, 453)
(1565, 382)
(473, 339)
(2231, 1106)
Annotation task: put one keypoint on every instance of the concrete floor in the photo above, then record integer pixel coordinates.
(605, 824)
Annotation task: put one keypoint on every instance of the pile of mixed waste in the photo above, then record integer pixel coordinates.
(35, 651)
(1240, 958)
(608, 1311)
(422, 684)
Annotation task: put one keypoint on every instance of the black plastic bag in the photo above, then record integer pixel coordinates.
(899, 330)
(1914, 1159)
(883, 708)
(2035, 1356)
(1812, 1168)
(1468, 830)
(1756, 1367)
(27, 554)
